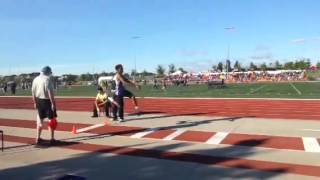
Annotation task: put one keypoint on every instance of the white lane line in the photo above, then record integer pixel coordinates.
(316, 130)
(217, 138)
(255, 90)
(174, 135)
(311, 144)
(143, 133)
(89, 128)
(295, 88)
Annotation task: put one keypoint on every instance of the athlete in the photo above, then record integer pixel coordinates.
(121, 92)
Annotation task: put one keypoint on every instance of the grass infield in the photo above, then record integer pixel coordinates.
(309, 90)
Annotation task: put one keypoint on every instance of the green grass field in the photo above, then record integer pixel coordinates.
(255, 90)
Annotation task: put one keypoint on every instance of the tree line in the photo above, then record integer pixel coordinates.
(300, 64)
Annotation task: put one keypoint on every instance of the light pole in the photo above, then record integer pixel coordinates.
(135, 57)
(228, 29)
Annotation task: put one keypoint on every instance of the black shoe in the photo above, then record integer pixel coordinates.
(94, 116)
(39, 141)
(52, 142)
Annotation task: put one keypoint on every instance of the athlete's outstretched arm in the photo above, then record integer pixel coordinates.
(123, 79)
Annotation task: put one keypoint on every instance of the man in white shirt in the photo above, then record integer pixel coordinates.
(44, 102)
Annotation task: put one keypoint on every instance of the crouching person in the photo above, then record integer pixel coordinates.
(102, 101)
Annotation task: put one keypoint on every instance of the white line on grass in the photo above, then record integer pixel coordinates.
(295, 88)
(255, 90)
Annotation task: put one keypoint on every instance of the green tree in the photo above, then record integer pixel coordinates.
(86, 77)
(302, 64)
(160, 70)
(228, 65)
(214, 67)
(146, 73)
(263, 66)
(289, 65)
(318, 65)
(277, 65)
(237, 66)
(172, 68)
(182, 70)
(70, 77)
(220, 66)
(133, 72)
(252, 66)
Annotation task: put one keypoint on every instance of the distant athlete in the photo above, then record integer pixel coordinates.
(44, 102)
(121, 92)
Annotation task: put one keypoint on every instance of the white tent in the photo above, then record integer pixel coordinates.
(176, 73)
(105, 78)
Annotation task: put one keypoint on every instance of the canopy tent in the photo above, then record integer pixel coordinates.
(105, 79)
(176, 73)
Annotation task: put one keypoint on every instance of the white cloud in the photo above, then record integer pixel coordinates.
(192, 53)
(265, 56)
(262, 47)
(299, 41)
(316, 39)
(57, 69)
(231, 28)
(198, 65)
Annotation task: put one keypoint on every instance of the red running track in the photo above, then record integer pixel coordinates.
(267, 166)
(249, 140)
(260, 108)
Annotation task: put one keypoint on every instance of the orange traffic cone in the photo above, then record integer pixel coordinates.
(74, 130)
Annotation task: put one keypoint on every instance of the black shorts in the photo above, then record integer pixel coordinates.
(44, 109)
(127, 93)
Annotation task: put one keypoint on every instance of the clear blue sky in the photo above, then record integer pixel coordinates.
(79, 36)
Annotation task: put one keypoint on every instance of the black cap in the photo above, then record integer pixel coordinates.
(46, 70)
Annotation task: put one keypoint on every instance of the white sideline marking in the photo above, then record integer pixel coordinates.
(174, 134)
(143, 133)
(217, 138)
(89, 128)
(295, 88)
(311, 144)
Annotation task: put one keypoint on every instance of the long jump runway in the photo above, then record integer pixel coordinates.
(172, 139)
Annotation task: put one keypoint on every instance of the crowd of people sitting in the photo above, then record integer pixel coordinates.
(271, 76)
(266, 76)
(237, 77)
